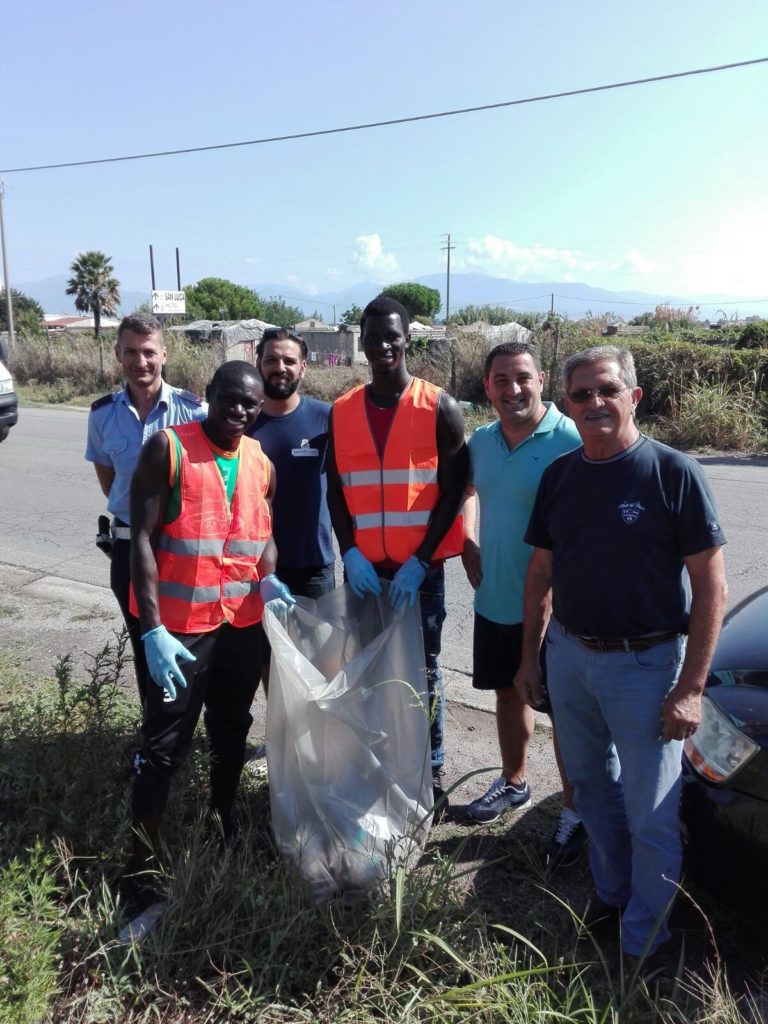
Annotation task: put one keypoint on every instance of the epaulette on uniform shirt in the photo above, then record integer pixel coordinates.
(190, 397)
(104, 400)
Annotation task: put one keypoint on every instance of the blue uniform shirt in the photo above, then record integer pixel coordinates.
(116, 435)
(297, 444)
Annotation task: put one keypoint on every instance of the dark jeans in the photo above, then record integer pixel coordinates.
(308, 581)
(432, 601)
(223, 680)
(120, 583)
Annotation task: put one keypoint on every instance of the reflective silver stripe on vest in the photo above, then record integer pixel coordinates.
(186, 592)
(254, 548)
(375, 520)
(240, 588)
(196, 547)
(369, 477)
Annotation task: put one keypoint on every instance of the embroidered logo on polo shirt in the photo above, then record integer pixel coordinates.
(630, 511)
(304, 450)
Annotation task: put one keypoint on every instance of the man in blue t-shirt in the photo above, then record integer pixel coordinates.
(615, 528)
(293, 432)
(507, 459)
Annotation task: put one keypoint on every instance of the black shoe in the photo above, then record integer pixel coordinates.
(143, 905)
(222, 830)
(566, 845)
(601, 917)
(137, 893)
(439, 798)
(651, 967)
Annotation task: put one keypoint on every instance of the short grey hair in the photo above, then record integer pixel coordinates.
(622, 356)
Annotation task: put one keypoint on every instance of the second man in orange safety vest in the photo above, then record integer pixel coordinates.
(397, 469)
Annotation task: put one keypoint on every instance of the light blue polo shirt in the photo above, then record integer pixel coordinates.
(506, 481)
(116, 435)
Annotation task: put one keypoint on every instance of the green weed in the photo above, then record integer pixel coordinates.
(474, 933)
(31, 929)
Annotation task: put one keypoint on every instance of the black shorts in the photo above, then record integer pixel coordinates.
(496, 652)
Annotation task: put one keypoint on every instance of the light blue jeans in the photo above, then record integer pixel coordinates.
(607, 708)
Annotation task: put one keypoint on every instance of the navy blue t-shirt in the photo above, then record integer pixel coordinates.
(297, 444)
(618, 530)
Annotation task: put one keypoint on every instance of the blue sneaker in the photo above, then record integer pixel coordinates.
(501, 796)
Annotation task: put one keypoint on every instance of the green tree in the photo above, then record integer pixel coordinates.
(352, 315)
(27, 313)
(417, 298)
(215, 298)
(96, 290)
(281, 315)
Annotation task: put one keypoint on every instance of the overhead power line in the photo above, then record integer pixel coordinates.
(391, 121)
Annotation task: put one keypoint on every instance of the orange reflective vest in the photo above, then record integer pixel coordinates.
(207, 558)
(391, 496)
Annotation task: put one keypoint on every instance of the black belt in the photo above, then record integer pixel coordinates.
(626, 643)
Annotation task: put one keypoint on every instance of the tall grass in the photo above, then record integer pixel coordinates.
(240, 939)
(725, 416)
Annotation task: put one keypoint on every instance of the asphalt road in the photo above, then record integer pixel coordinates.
(49, 501)
(54, 595)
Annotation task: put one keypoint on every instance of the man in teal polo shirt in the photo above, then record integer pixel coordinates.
(507, 459)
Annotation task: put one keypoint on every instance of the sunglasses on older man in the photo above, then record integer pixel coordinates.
(582, 395)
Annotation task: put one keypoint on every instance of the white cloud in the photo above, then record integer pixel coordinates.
(495, 255)
(635, 261)
(369, 254)
(333, 272)
(253, 259)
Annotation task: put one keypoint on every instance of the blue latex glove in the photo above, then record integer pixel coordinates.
(406, 582)
(273, 589)
(361, 574)
(161, 650)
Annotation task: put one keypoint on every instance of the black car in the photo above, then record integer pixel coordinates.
(725, 790)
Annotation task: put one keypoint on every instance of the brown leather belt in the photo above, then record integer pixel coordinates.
(625, 644)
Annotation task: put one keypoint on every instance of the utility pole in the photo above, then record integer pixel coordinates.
(447, 249)
(8, 299)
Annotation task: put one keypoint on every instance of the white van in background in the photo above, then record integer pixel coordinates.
(8, 403)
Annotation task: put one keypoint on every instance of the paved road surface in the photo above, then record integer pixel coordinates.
(53, 580)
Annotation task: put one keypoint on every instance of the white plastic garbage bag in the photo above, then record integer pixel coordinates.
(348, 752)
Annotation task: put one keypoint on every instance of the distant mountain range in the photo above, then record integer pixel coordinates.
(574, 300)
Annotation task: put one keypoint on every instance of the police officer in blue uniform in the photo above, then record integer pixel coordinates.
(118, 425)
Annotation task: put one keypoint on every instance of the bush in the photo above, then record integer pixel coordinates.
(665, 369)
(722, 416)
(754, 335)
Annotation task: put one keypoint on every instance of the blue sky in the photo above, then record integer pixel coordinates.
(658, 188)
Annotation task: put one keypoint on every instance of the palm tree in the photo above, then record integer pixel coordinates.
(95, 288)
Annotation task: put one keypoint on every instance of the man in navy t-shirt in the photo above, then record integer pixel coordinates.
(293, 432)
(616, 528)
